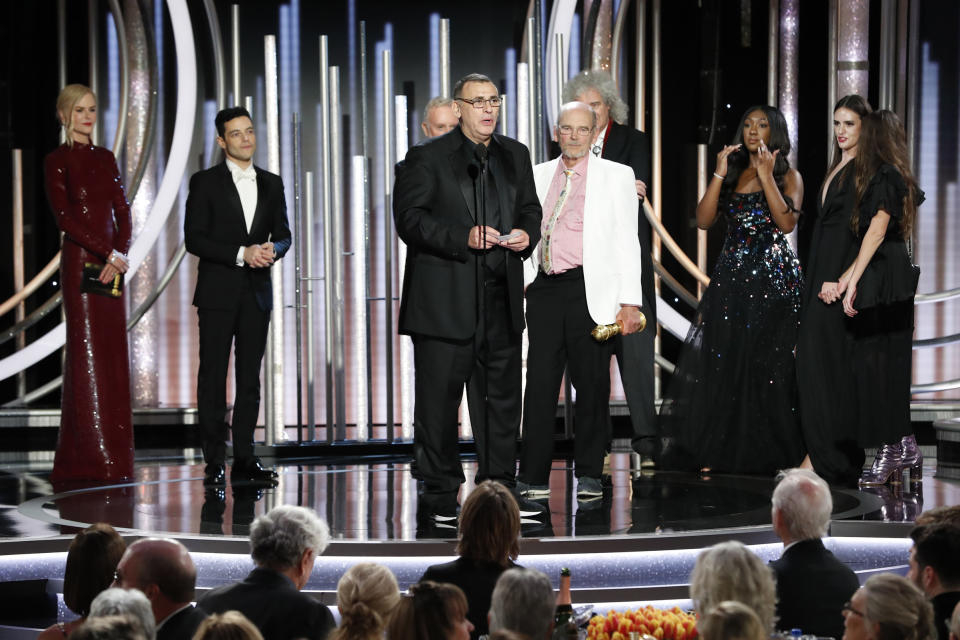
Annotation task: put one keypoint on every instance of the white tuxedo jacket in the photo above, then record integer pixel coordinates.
(611, 247)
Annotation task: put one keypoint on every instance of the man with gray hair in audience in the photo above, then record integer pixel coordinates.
(438, 117)
(125, 602)
(523, 602)
(284, 543)
(812, 585)
(164, 571)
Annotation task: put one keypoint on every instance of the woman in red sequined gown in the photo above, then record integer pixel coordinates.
(86, 194)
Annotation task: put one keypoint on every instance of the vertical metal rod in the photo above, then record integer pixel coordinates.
(888, 51)
(273, 412)
(298, 279)
(701, 233)
(308, 284)
(773, 53)
(902, 59)
(404, 344)
(445, 57)
(388, 235)
(640, 90)
(358, 244)
(363, 87)
(368, 199)
(336, 206)
(504, 116)
(913, 83)
(561, 70)
(328, 250)
(538, 121)
(62, 51)
(523, 104)
(831, 74)
(93, 42)
(532, 91)
(248, 104)
(18, 278)
(656, 125)
(235, 51)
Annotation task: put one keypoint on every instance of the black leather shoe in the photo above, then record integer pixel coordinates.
(251, 472)
(214, 475)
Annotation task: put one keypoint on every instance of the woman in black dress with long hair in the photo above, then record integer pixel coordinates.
(731, 405)
(878, 295)
(828, 404)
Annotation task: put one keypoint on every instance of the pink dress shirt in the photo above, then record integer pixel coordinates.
(566, 242)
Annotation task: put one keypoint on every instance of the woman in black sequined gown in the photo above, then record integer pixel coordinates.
(732, 404)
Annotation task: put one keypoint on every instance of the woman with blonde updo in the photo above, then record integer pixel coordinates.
(229, 625)
(888, 607)
(367, 595)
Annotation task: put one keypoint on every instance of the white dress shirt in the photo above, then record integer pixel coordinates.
(246, 182)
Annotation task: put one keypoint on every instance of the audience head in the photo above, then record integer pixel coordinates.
(431, 611)
(287, 539)
(940, 515)
(438, 117)
(91, 561)
(730, 571)
(801, 506)
(229, 625)
(523, 601)
(731, 620)
(163, 570)
(77, 112)
(597, 89)
(119, 627)
(125, 602)
(367, 595)
(506, 634)
(888, 607)
(935, 558)
(490, 525)
(955, 623)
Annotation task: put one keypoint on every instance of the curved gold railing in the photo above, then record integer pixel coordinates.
(673, 247)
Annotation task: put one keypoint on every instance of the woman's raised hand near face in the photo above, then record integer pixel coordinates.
(722, 158)
(765, 161)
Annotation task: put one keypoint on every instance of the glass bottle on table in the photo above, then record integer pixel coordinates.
(564, 621)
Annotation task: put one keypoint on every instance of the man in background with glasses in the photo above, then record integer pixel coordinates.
(462, 300)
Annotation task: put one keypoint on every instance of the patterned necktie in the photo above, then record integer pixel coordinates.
(545, 254)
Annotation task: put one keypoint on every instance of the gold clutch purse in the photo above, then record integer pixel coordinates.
(91, 281)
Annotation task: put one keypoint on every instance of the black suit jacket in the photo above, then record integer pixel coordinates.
(182, 624)
(434, 210)
(272, 603)
(477, 582)
(214, 229)
(943, 606)
(812, 587)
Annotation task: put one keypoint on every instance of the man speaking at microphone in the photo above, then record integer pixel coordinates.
(585, 272)
(462, 300)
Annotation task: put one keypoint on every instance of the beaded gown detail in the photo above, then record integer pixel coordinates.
(732, 402)
(96, 427)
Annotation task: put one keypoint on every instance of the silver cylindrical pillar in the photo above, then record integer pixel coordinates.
(523, 104)
(888, 54)
(445, 85)
(18, 268)
(640, 90)
(62, 51)
(235, 52)
(561, 70)
(273, 409)
(853, 46)
(328, 250)
(831, 74)
(309, 302)
(532, 88)
(388, 235)
(297, 268)
(93, 54)
(773, 51)
(336, 206)
(702, 179)
(404, 343)
(358, 295)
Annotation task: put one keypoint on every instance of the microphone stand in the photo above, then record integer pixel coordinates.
(480, 201)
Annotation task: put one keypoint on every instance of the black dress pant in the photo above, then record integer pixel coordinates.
(442, 367)
(559, 327)
(246, 326)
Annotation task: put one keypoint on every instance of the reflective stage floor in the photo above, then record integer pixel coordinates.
(376, 499)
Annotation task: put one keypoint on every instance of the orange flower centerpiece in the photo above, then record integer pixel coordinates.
(662, 624)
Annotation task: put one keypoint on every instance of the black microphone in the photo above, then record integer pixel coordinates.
(480, 155)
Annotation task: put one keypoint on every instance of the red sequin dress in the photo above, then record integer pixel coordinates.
(96, 426)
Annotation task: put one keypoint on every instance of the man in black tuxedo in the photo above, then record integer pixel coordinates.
(164, 571)
(935, 569)
(623, 144)
(284, 543)
(812, 584)
(462, 301)
(236, 224)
